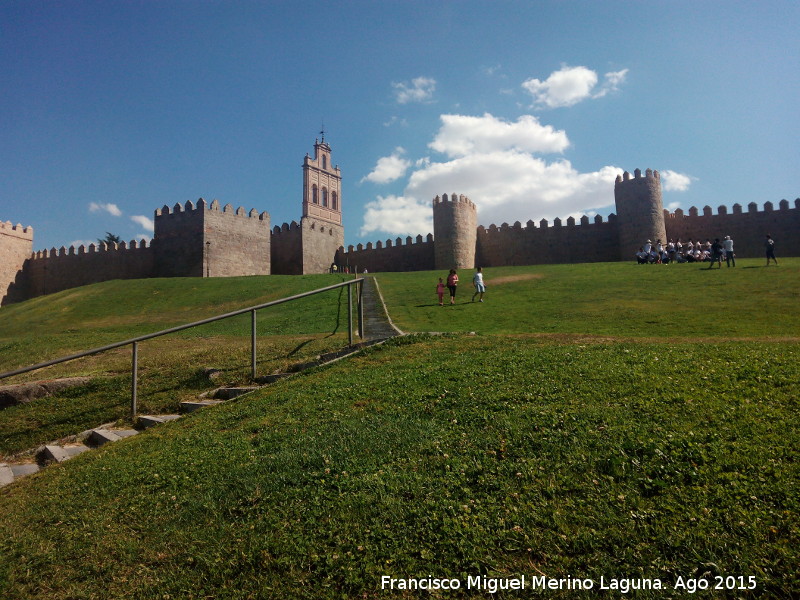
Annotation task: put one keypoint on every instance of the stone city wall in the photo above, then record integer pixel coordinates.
(748, 229)
(16, 244)
(287, 249)
(510, 245)
(51, 271)
(206, 240)
(417, 254)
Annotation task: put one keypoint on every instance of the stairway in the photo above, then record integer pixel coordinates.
(377, 326)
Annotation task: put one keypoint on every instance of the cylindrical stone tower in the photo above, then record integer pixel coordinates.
(640, 212)
(455, 232)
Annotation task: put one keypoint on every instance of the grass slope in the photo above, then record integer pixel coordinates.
(634, 443)
(449, 457)
(609, 299)
(171, 368)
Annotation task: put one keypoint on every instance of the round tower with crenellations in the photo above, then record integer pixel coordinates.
(640, 211)
(455, 231)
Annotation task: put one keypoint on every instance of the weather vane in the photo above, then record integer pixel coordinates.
(322, 131)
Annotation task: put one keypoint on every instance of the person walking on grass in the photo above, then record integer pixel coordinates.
(440, 291)
(769, 244)
(477, 281)
(716, 254)
(729, 256)
(452, 285)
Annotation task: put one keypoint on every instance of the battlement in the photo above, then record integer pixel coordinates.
(396, 243)
(90, 249)
(736, 209)
(650, 174)
(17, 231)
(202, 205)
(584, 221)
(286, 227)
(454, 199)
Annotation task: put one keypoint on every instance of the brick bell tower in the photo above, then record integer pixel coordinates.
(321, 224)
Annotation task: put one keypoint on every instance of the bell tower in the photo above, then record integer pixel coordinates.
(322, 185)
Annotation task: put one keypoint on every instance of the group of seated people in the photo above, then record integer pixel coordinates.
(673, 251)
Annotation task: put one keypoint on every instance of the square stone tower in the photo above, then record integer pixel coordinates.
(311, 247)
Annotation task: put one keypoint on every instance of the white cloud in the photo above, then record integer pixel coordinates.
(144, 222)
(495, 163)
(111, 209)
(84, 243)
(510, 186)
(672, 181)
(570, 85)
(461, 135)
(389, 168)
(420, 90)
(397, 215)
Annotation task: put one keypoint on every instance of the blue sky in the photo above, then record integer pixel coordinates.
(109, 110)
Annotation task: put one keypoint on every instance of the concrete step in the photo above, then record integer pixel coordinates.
(98, 437)
(273, 378)
(228, 393)
(52, 453)
(6, 475)
(24, 469)
(145, 421)
(193, 405)
(10, 473)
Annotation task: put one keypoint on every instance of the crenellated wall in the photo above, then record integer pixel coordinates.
(596, 240)
(582, 241)
(748, 229)
(204, 240)
(417, 254)
(287, 249)
(16, 244)
(47, 272)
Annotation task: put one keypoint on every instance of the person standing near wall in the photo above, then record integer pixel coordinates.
(716, 254)
(769, 244)
(452, 285)
(728, 245)
(480, 288)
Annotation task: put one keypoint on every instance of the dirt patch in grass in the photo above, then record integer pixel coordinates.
(513, 278)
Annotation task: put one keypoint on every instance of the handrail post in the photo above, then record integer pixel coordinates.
(350, 314)
(134, 372)
(253, 345)
(361, 309)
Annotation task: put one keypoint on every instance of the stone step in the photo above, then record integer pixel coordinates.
(24, 469)
(6, 475)
(273, 378)
(228, 393)
(100, 436)
(51, 453)
(193, 405)
(145, 421)
(10, 473)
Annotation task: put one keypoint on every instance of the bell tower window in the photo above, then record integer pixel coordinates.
(314, 198)
(325, 197)
(324, 161)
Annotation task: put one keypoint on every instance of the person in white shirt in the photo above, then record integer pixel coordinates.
(480, 288)
(727, 244)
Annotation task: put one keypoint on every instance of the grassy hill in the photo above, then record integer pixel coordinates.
(571, 437)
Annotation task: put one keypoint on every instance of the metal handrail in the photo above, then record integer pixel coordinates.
(134, 342)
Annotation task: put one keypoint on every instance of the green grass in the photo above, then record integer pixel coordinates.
(609, 299)
(171, 368)
(450, 457)
(586, 431)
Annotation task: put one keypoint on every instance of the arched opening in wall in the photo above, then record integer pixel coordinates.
(314, 195)
(334, 201)
(325, 197)
(324, 161)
